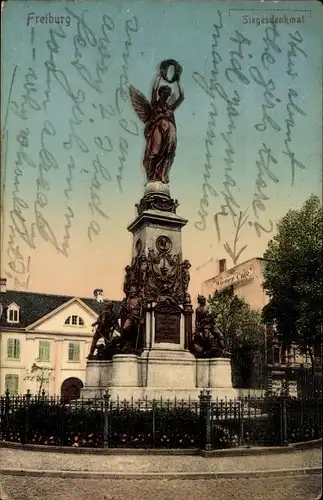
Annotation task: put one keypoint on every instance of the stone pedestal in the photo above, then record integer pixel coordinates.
(220, 375)
(125, 371)
(159, 373)
(168, 369)
(97, 378)
(151, 224)
(202, 373)
(156, 292)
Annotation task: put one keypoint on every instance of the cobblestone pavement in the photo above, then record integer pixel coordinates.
(23, 459)
(278, 488)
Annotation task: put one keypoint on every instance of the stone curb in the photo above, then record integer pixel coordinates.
(160, 475)
(231, 452)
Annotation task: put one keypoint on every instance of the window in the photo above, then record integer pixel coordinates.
(12, 383)
(74, 351)
(13, 349)
(74, 320)
(276, 355)
(13, 314)
(222, 265)
(44, 350)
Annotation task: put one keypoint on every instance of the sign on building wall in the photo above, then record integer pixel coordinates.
(234, 278)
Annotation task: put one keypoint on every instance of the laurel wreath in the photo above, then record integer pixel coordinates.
(164, 67)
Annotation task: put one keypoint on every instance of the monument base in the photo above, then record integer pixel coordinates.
(159, 374)
(166, 394)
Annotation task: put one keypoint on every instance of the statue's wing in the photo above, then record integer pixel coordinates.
(140, 104)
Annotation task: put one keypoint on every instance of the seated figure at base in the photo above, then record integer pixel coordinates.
(131, 321)
(129, 339)
(106, 324)
(208, 340)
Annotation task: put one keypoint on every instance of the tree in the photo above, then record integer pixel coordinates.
(293, 279)
(244, 335)
(41, 374)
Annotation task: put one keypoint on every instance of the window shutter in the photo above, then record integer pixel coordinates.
(17, 348)
(41, 350)
(12, 383)
(10, 348)
(44, 350)
(15, 381)
(47, 351)
(74, 351)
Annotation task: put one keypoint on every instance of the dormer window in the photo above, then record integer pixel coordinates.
(13, 313)
(74, 321)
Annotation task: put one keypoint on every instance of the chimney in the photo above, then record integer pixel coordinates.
(98, 294)
(3, 285)
(222, 265)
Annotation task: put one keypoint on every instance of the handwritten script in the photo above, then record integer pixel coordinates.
(70, 96)
(69, 125)
(277, 110)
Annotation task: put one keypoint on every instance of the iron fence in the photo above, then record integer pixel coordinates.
(204, 424)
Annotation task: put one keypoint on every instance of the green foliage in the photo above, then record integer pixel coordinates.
(293, 278)
(243, 331)
(55, 424)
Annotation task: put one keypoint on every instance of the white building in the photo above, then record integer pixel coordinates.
(53, 331)
(245, 278)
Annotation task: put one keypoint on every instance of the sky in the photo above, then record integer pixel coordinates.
(73, 145)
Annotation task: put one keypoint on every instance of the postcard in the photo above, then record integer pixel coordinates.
(149, 149)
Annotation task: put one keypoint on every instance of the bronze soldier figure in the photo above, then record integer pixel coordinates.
(106, 324)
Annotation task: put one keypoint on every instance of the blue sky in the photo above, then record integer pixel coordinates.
(161, 30)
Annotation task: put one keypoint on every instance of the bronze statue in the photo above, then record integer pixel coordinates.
(160, 126)
(106, 324)
(203, 314)
(143, 266)
(131, 320)
(208, 339)
(127, 280)
(186, 265)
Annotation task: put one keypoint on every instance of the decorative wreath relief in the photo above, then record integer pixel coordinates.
(163, 244)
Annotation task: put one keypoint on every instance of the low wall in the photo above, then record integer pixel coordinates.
(307, 445)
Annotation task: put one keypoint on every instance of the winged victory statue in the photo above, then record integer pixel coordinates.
(158, 117)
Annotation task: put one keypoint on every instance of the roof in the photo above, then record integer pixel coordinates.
(34, 306)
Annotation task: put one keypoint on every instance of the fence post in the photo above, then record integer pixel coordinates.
(206, 419)
(284, 436)
(241, 423)
(6, 413)
(28, 397)
(106, 418)
(154, 423)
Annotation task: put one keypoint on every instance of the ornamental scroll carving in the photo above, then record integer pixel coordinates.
(159, 274)
(157, 201)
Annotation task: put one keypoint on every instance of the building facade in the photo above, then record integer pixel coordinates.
(246, 280)
(283, 366)
(45, 340)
